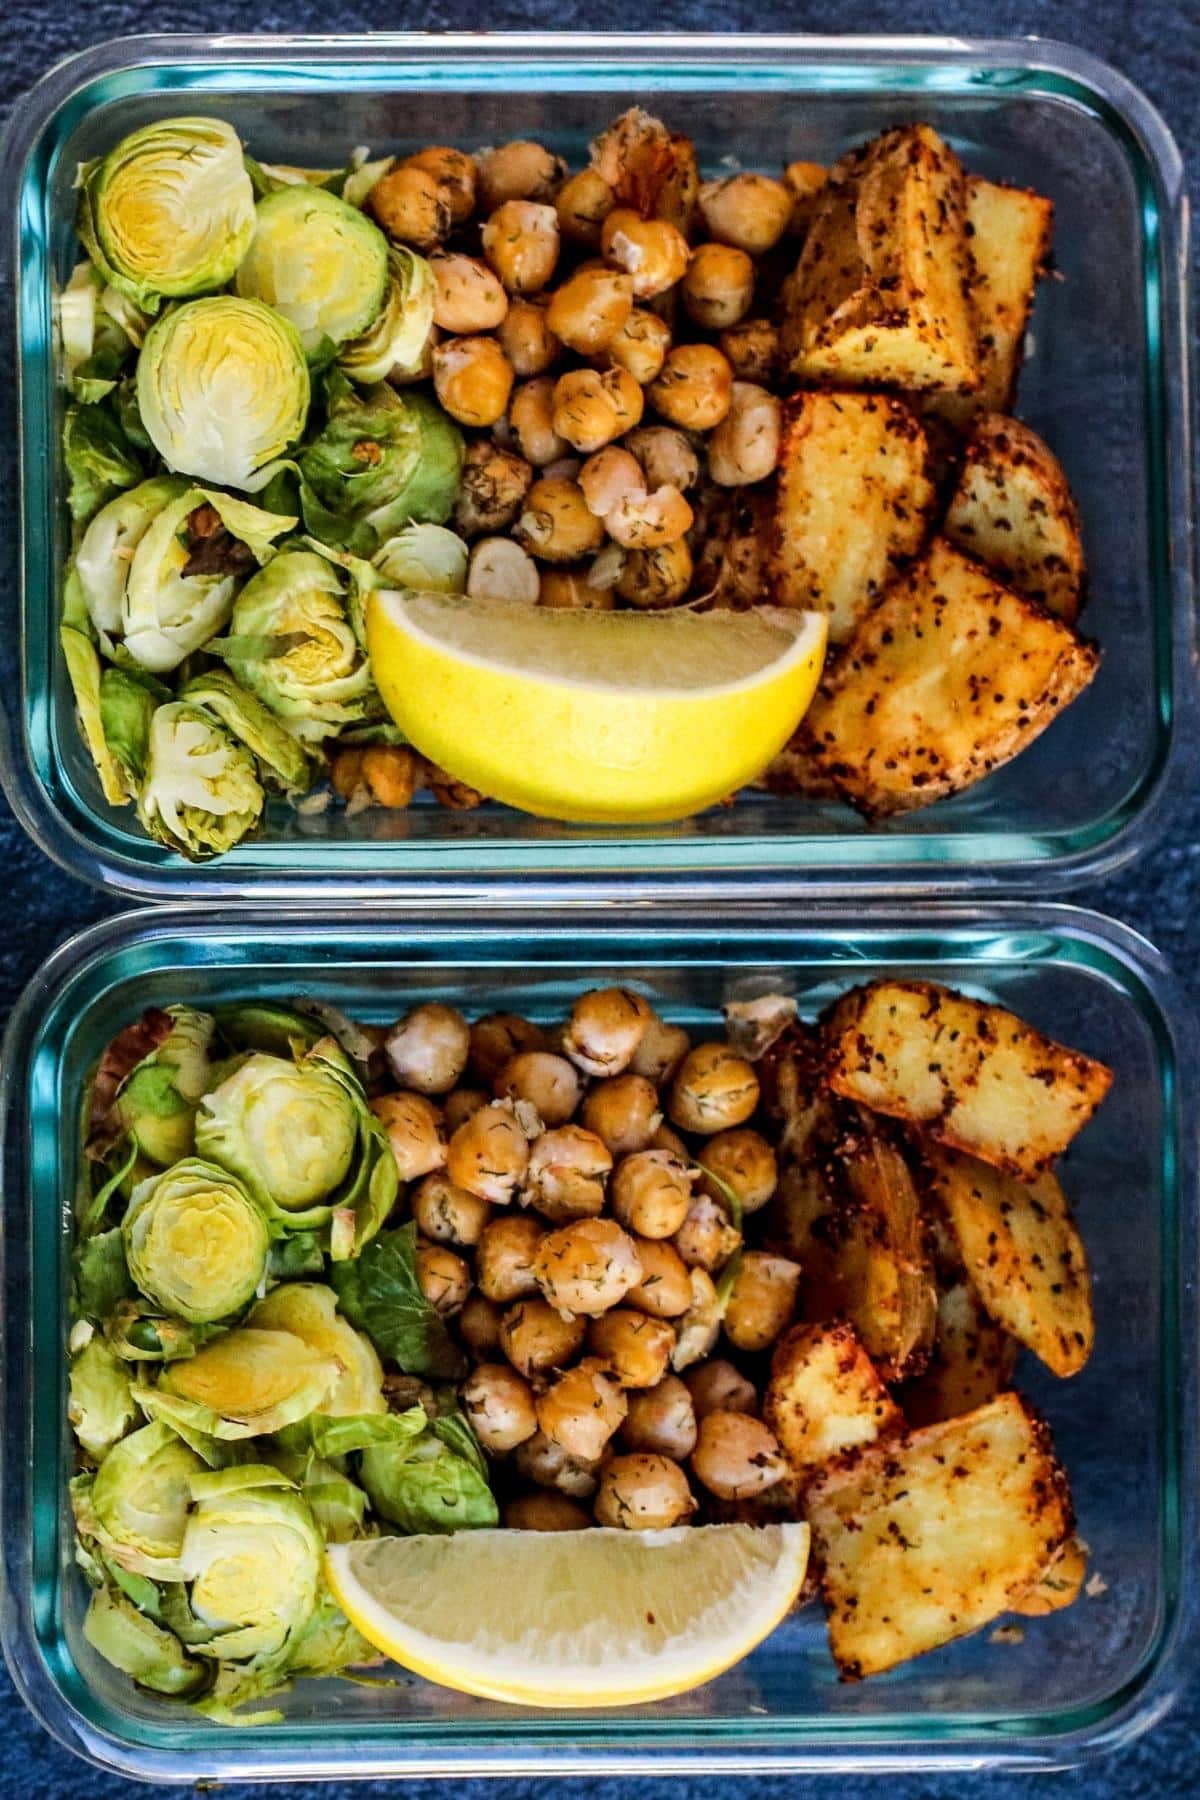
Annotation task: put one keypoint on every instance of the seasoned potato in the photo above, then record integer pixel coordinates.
(973, 1360)
(948, 677)
(926, 1537)
(853, 501)
(977, 1077)
(824, 1395)
(1021, 1250)
(1012, 508)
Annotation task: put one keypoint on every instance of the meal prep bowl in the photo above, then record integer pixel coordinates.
(1081, 1681)
(1106, 383)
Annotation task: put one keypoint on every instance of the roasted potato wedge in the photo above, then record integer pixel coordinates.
(824, 1396)
(1012, 508)
(973, 1360)
(925, 1537)
(947, 677)
(1023, 1254)
(853, 501)
(880, 294)
(1057, 1587)
(977, 1077)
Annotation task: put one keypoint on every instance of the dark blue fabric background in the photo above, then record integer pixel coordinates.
(1157, 43)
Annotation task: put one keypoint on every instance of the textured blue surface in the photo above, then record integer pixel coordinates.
(1156, 43)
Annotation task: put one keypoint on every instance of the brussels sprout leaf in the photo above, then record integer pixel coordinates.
(379, 1292)
(99, 457)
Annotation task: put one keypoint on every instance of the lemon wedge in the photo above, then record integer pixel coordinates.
(622, 717)
(571, 1618)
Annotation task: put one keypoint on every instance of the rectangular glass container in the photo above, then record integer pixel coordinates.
(1106, 382)
(1083, 1681)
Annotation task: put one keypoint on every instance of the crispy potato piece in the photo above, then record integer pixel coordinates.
(976, 1076)
(1057, 1587)
(798, 770)
(1021, 1250)
(947, 677)
(1012, 508)
(648, 168)
(880, 295)
(926, 1537)
(973, 1360)
(791, 1076)
(853, 501)
(824, 1396)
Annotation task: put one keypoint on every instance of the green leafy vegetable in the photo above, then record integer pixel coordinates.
(379, 1292)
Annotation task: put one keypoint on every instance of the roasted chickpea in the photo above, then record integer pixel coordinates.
(479, 1326)
(736, 1456)
(662, 1049)
(489, 1154)
(427, 1048)
(586, 413)
(531, 416)
(520, 170)
(718, 287)
(526, 339)
(568, 1168)
(443, 1278)
(583, 203)
(661, 1421)
(520, 241)
(761, 1301)
(414, 1130)
(582, 1409)
(624, 1111)
(493, 484)
(665, 1290)
(716, 1386)
(454, 172)
(412, 206)
(751, 212)
(714, 1090)
(605, 570)
(587, 1267)
(467, 296)
(651, 579)
(473, 379)
(695, 387)
(589, 308)
(458, 1107)
(745, 1162)
(752, 350)
(541, 1460)
(536, 1338)
(556, 524)
(390, 772)
(666, 457)
(605, 1028)
(640, 346)
(667, 1138)
(447, 1214)
(805, 182)
(626, 395)
(649, 521)
(569, 590)
(634, 1345)
(500, 570)
(651, 1191)
(505, 1257)
(652, 253)
(346, 775)
(643, 1493)
(546, 1511)
(707, 1238)
(608, 477)
(744, 448)
(549, 1083)
(499, 1404)
(496, 1038)
(700, 1325)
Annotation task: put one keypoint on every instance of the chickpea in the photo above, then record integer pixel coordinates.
(412, 206)
(662, 1049)
(549, 1083)
(454, 172)
(752, 350)
(582, 1409)
(655, 578)
(608, 477)
(569, 590)
(541, 1460)
(531, 416)
(751, 212)
(695, 387)
(556, 524)
(587, 1267)
(586, 412)
(714, 1090)
(568, 1168)
(707, 1238)
(644, 1493)
(716, 1386)
(428, 1047)
(500, 570)
(489, 1154)
(459, 1106)
(651, 1192)
(805, 182)
(520, 170)
(520, 240)
(496, 1038)
(535, 1338)
(499, 1404)
(584, 202)
(479, 1326)
(718, 287)
(640, 346)
(443, 1278)
(626, 395)
(667, 1138)
(414, 1131)
(665, 456)
(473, 379)
(745, 446)
(546, 1511)
(505, 1257)
(605, 571)
(449, 791)
(736, 1456)
(526, 339)
(700, 1325)
(652, 253)
(745, 1162)
(665, 1290)
(605, 1028)
(390, 773)
(447, 1214)
(634, 1345)
(467, 295)
(589, 308)
(650, 521)
(493, 484)
(624, 1111)
(661, 1420)
(346, 773)
(761, 1301)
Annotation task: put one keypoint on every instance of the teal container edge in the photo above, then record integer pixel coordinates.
(1081, 1683)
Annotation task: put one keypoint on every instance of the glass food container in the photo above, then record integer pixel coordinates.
(1106, 382)
(1081, 1681)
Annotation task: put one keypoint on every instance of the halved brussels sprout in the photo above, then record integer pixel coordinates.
(100, 1406)
(281, 757)
(319, 262)
(168, 212)
(99, 571)
(139, 1647)
(201, 794)
(338, 1504)
(427, 1488)
(222, 385)
(329, 1643)
(100, 1277)
(260, 1025)
(195, 1242)
(396, 343)
(242, 1385)
(83, 669)
(156, 1102)
(100, 460)
(137, 1508)
(252, 1557)
(428, 557)
(139, 1333)
(128, 702)
(309, 1310)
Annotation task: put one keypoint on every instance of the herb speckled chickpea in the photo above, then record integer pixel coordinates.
(713, 1090)
(536, 1338)
(667, 1138)
(751, 212)
(744, 447)
(414, 1130)
(526, 339)
(454, 172)
(649, 521)
(651, 1191)
(473, 379)
(588, 309)
(505, 1257)
(496, 1038)
(489, 1154)
(805, 182)
(531, 416)
(591, 408)
(662, 1049)
(520, 241)
(556, 524)
(568, 1169)
(661, 1421)
(736, 1456)
(447, 1214)
(643, 1493)
(605, 1028)
(582, 1409)
(745, 1162)
(700, 1325)
(459, 1106)
(752, 350)
(716, 1386)
(707, 1238)
(651, 252)
(545, 1511)
(640, 346)
(718, 287)
(550, 1083)
(634, 1345)
(587, 1267)
(666, 457)
(761, 1301)
(665, 1290)
(500, 570)
(651, 579)
(412, 206)
(479, 1326)
(583, 203)
(569, 590)
(608, 477)
(521, 170)
(695, 387)
(427, 1048)
(468, 296)
(443, 1277)
(499, 1404)
(539, 1459)
(493, 486)
(624, 1110)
